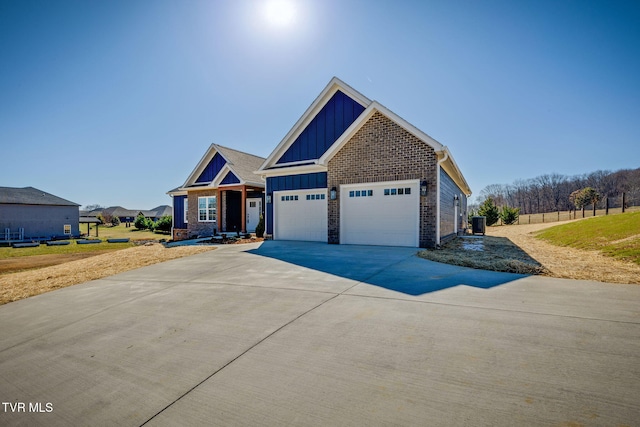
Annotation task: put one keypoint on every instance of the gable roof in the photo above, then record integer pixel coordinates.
(31, 196)
(271, 166)
(239, 163)
(316, 106)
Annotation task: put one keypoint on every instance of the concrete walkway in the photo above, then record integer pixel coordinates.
(289, 333)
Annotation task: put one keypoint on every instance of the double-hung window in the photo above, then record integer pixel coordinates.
(207, 209)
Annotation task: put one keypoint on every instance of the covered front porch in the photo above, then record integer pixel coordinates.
(239, 208)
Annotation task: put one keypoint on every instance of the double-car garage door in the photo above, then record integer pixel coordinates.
(370, 214)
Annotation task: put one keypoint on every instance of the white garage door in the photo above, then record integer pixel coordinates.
(300, 215)
(380, 214)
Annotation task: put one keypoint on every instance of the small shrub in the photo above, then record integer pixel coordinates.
(140, 223)
(164, 224)
(489, 210)
(509, 215)
(260, 227)
(115, 221)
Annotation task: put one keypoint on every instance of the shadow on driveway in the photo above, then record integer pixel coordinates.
(394, 268)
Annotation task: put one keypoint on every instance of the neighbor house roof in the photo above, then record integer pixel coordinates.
(163, 210)
(31, 196)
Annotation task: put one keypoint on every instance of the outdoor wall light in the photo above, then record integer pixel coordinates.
(423, 188)
(455, 200)
(268, 198)
(333, 193)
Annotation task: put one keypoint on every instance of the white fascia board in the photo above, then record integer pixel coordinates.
(202, 164)
(452, 169)
(294, 170)
(334, 85)
(177, 192)
(363, 118)
(222, 174)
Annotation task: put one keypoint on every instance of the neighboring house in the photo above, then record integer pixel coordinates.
(32, 214)
(351, 171)
(130, 215)
(222, 194)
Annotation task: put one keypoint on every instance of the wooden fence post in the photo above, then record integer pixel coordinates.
(582, 211)
(543, 218)
(623, 202)
(606, 206)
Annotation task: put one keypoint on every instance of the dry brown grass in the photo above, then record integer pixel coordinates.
(486, 253)
(567, 262)
(515, 249)
(21, 285)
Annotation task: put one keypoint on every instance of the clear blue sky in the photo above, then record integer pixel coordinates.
(114, 102)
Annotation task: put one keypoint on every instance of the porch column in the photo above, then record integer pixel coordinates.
(219, 212)
(243, 208)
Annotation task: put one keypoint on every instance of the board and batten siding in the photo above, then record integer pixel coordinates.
(325, 128)
(305, 181)
(213, 168)
(178, 212)
(448, 191)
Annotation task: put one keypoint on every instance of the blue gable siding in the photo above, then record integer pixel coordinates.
(230, 178)
(178, 212)
(292, 182)
(325, 128)
(212, 169)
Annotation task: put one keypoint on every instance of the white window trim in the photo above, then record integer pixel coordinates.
(215, 207)
(186, 210)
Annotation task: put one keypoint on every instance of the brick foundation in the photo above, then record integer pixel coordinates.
(180, 234)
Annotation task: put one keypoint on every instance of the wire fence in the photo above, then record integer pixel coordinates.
(569, 215)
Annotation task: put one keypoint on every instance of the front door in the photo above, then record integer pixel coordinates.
(254, 207)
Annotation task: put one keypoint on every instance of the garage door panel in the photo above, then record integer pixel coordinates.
(380, 214)
(301, 215)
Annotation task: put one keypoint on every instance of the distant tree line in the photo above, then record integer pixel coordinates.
(553, 192)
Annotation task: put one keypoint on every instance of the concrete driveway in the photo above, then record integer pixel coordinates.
(289, 333)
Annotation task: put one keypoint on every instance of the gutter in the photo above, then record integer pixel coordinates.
(440, 162)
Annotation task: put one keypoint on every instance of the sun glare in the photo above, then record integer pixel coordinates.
(280, 13)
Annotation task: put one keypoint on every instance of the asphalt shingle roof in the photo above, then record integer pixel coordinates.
(243, 164)
(31, 196)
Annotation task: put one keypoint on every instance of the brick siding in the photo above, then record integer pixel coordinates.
(194, 227)
(383, 151)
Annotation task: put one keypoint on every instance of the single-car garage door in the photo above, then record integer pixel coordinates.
(300, 215)
(380, 213)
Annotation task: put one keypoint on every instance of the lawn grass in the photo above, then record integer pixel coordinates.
(617, 236)
(72, 248)
(122, 232)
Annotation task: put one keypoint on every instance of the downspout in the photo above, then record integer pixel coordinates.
(173, 215)
(444, 159)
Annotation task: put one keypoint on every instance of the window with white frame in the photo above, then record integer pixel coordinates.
(186, 209)
(67, 229)
(207, 209)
